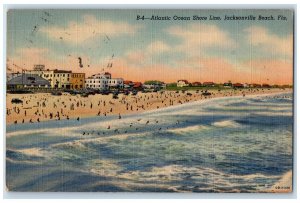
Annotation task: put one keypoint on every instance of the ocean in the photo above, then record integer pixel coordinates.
(234, 144)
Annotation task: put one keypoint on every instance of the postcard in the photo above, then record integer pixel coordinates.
(149, 100)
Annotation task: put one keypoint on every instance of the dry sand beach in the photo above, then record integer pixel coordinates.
(44, 106)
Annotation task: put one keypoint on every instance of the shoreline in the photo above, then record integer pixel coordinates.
(43, 106)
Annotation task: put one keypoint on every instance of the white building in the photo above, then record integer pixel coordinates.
(103, 81)
(246, 85)
(57, 78)
(116, 82)
(182, 83)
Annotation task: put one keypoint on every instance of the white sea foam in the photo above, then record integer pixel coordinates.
(31, 151)
(105, 167)
(226, 123)
(213, 179)
(188, 129)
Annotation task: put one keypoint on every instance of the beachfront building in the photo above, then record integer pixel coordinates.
(61, 79)
(28, 81)
(57, 78)
(116, 83)
(138, 86)
(266, 86)
(103, 81)
(182, 83)
(246, 85)
(154, 85)
(77, 80)
(238, 85)
(40, 71)
(227, 85)
(209, 84)
(196, 84)
(254, 85)
(10, 76)
(128, 84)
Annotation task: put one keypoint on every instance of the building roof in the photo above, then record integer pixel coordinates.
(185, 81)
(208, 83)
(238, 85)
(62, 71)
(137, 84)
(196, 83)
(127, 82)
(28, 79)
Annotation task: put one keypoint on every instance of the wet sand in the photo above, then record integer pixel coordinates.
(44, 106)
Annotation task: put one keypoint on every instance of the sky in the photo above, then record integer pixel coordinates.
(114, 41)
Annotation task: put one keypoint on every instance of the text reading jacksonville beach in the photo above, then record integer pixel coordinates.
(211, 17)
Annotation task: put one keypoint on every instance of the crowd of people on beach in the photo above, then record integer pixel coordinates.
(43, 106)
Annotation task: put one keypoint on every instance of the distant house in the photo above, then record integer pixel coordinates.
(227, 84)
(28, 81)
(128, 84)
(255, 85)
(246, 85)
(182, 83)
(154, 84)
(137, 85)
(266, 85)
(196, 84)
(238, 85)
(208, 84)
(149, 86)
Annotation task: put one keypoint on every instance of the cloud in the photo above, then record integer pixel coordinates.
(196, 37)
(261, 38)
(90, 27)
(157, 47)
(140, 57)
